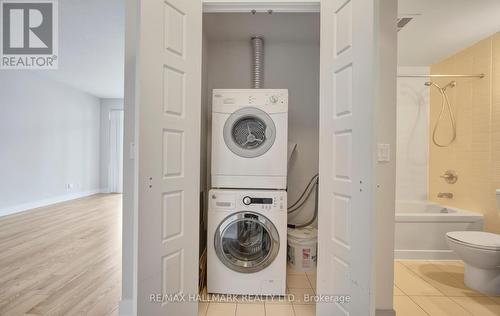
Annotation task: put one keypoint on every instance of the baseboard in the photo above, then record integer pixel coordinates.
(385, 312)
(125, 308)
(45, 202)
(425, 254)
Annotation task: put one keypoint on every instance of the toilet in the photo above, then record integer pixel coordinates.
(480, 252)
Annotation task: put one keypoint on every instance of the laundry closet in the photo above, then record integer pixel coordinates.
(339, 107)
(287, 56)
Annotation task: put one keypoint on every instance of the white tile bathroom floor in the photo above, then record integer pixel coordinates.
(421, 288)
(436, 288)
(298, 284)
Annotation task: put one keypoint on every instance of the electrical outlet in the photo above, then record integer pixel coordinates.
(69, 186)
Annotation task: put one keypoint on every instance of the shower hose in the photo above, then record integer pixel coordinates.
(445, 102)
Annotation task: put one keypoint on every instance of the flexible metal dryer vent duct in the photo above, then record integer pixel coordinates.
(258, 62)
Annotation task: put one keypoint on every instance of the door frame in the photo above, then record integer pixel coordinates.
(128, 304)
(261, 6)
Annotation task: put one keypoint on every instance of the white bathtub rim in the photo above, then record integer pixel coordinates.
(425, 218)
(458, 216)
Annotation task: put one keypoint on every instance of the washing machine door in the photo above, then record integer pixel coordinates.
(246, 242)
(249, 132)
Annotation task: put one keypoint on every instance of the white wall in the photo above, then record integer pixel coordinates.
(107, 105)
(128, 303)
(412, 135)
(385, 117)
(49, 137)
(288, 65)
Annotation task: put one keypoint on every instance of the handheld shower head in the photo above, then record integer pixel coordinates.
(452, 84)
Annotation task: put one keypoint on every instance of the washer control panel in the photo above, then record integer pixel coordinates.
(267, 202)
(247, 200)
(237, 200)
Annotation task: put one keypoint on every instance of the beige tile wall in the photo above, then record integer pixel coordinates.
(475, 154)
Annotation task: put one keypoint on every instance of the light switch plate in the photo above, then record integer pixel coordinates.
(383, 152)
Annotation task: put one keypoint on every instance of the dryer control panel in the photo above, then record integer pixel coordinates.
(272, 99)
(237, 200)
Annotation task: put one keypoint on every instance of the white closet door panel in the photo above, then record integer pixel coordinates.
(345, 201)
(169, 155)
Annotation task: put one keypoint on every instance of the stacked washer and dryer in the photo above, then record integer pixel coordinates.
(247, 214)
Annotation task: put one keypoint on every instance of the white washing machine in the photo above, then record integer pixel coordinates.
(249, 138)
(246, 251)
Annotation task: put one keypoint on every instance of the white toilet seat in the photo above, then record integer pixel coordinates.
(476, 239)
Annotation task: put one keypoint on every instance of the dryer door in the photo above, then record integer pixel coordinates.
(249, 132)
(246, 242)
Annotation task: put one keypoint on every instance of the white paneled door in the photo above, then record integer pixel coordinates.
(345, 163)
(169, 156)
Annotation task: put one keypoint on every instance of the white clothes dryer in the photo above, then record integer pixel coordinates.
(249, 138)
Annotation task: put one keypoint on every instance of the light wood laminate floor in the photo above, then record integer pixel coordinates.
(63, 259)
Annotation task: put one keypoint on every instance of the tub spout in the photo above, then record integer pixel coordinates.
(445, 195)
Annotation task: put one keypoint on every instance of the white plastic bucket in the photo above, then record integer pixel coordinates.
(302, 249)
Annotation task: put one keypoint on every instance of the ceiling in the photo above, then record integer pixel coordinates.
(439, 29)
(91, 35)
(91, 46)
(274, 27)
(444, 28)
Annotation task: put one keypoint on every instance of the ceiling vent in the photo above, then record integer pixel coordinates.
(402, 21)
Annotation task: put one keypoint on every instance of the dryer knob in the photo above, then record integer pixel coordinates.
(274, 99)
(247, 200)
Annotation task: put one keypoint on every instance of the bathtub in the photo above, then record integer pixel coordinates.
(421, 227)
